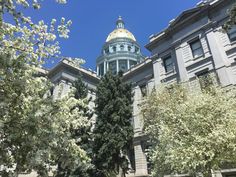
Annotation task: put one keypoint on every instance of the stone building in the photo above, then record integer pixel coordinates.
(193, 45)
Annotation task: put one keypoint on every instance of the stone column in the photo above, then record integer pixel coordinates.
(117, 66)
(105, 66)
(98, 70)
(156, 71)
(220, 59)
(181, 64)
(136, 113)
(128, 64)
(140, 157)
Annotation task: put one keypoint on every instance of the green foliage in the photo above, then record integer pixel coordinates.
(81, 88)
(191, 132)
(35, 130)
(83, 133)
(113, 131)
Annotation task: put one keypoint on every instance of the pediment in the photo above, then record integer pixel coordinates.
(186, 14)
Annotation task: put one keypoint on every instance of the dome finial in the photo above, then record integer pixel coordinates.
(120, 23)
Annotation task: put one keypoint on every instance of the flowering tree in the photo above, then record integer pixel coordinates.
(35, 130)
(191, 132)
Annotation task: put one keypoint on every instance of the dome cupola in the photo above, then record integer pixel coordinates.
(120, 51)
(120, 31)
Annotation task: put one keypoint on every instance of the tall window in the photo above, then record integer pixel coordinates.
(196, 48)
(168, 64)
(114, 48)
(101, 69)
(121, 47)
(136, 49)
(232, 34)
(123, 65)
(129, 48)
(112, 67)
(106, 50)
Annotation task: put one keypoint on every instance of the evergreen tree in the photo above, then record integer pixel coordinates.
(113, 131)
(81, 89)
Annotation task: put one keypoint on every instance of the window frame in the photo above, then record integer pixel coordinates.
(101, 69)
(129, 48)
(136, 49)
(114, 48)
(231, 32)
(106, 50)
(191, 43)
(122, 47)
(120, 62)
(112, 64)
(165, 65)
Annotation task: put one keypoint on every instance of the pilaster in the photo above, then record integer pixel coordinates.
(220, 59)
(181, 65)
(156, 72)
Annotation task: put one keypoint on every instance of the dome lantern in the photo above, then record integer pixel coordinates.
(120, 23)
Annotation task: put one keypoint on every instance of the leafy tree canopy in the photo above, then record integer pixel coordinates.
(191, 132)
(35, 130)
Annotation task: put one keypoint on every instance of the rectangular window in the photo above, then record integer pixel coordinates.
(196, 48)
(101, 69)
(232, 34)
(112, 67)
(106, 50)
(123, 66)
(168, 64)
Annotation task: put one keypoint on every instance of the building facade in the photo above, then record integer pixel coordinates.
(192, 46)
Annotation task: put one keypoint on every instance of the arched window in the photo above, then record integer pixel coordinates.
(107, 50)
(129, 48)
(121, 47)
(136, 49)
(114, 48)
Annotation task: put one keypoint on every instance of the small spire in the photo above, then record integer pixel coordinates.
(120, 23)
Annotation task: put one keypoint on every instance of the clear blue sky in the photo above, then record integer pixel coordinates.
(93, 20)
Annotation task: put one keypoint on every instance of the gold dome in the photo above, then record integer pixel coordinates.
(120, 33)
